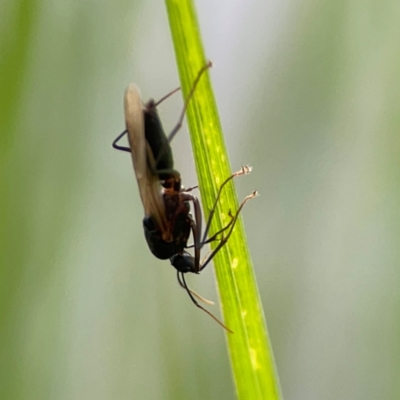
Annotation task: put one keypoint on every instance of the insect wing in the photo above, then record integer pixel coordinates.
(134, 121)
(142, 158)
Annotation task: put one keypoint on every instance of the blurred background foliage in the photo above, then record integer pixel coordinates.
(309, 94)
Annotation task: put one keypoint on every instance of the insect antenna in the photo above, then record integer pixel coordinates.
(184, 285)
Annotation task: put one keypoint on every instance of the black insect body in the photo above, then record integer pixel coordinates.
(168, 222)
(165, 244)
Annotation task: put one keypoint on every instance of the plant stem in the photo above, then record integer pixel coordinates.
(251, 356)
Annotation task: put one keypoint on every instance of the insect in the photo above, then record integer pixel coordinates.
(168, 222)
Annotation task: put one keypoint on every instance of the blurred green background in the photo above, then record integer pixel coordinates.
(309, 95)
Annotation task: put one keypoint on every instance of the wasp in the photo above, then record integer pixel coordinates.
(167, 221)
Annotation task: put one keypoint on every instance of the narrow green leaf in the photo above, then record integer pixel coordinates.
(251, 355)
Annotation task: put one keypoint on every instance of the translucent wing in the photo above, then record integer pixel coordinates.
(135, 126)
(142, 158)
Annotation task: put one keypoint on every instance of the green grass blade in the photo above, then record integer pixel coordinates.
(251, 356)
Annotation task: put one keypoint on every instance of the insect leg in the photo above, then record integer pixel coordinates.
(153, 106)
(232, 225)
(243, 171)
(116, 146)
(187, 100)
(166, 96)
(196, 228)
(214, 237)
(191, 188)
